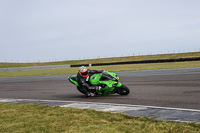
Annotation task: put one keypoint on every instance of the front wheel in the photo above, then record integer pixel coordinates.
(123, 90)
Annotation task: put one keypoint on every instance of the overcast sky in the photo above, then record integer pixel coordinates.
(47, 30)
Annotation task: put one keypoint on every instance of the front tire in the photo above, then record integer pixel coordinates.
(123, 90)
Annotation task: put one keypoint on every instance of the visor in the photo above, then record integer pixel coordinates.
(85, 73)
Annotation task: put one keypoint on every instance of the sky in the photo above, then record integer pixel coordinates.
(57, 30)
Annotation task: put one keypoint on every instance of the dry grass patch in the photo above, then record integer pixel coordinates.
(129, 67)
(105, 60)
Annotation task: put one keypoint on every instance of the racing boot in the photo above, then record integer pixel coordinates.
(90, 94)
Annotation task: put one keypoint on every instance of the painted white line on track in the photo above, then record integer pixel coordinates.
(97, 103)
(158, 113)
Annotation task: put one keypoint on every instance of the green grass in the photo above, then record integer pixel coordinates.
(29, 118)
(105, 60)
(148, 66)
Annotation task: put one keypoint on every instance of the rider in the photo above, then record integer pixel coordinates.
(83, 77)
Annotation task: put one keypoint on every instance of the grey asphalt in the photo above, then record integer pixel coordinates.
(177, 88)
(167, 94)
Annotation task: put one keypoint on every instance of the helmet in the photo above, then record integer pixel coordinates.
(83, 71)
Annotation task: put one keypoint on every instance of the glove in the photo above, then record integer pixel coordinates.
(98, 88)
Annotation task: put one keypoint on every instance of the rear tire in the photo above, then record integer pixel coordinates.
(123, 90)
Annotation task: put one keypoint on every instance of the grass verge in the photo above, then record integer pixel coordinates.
(30, 118)
(129, 67)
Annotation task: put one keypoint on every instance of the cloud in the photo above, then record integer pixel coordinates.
(60, 29)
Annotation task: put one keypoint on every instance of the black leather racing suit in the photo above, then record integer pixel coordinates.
(84, 81)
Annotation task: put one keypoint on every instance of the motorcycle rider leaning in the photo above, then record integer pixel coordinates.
(83, 77)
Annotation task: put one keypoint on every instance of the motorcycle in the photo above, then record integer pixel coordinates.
(108, 81)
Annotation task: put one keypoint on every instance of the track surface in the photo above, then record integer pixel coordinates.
(178, 88)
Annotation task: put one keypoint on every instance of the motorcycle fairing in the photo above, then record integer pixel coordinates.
(109, 84)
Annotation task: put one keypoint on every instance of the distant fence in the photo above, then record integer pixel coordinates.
(98, 64)
(33, 68)
(140, 62)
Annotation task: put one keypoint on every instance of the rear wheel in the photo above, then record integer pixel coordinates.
(123, 90)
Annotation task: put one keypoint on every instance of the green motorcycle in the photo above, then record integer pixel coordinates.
(108, 81)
